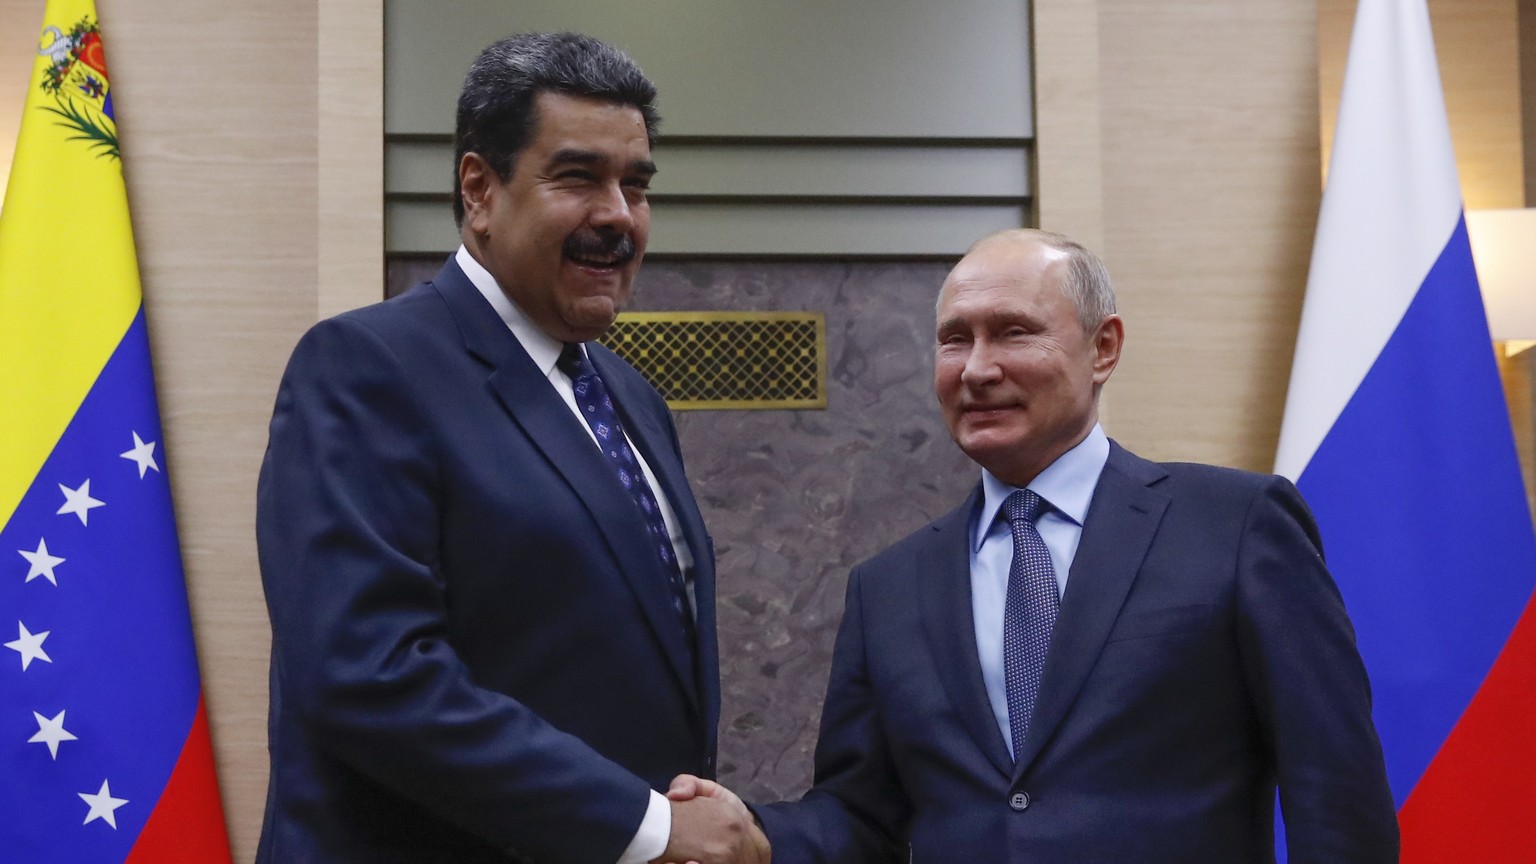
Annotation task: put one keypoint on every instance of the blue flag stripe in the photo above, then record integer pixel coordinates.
(123, 668)
(1417, 489)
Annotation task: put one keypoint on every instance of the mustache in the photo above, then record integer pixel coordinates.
(593, 244)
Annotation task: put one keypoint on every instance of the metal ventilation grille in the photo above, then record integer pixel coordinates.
(715, 360)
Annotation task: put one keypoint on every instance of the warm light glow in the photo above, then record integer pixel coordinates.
(11, 99)
(1504, 249)
(20, 24)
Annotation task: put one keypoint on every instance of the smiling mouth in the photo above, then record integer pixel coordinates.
(985, 412)
(598, 251)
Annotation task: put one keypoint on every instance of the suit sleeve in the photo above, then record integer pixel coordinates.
(856, 810)
(1310, 689)
(347, 529)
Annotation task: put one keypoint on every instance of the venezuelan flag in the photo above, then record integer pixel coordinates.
(1397, 432)
(104, 745)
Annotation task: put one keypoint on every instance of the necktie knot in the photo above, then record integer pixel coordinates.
(573, 362)
(1024, 505)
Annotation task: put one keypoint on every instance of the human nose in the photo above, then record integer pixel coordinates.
(981, 366)
(612, 209)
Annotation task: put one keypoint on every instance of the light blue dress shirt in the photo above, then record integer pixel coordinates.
(1067, 484)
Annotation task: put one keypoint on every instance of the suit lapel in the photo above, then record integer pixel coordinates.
(1122, 520)
(548, 422)
(943, 571)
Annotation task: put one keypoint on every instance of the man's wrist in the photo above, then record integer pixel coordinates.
(655, 830)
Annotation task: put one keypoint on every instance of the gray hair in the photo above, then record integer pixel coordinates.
(1087, 282)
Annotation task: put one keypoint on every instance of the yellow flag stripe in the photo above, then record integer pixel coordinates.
(69, 278)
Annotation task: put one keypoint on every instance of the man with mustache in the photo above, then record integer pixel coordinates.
(1095, 659)
(491, 592)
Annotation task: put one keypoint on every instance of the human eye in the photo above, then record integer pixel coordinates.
(1017, 328)
(637, 185)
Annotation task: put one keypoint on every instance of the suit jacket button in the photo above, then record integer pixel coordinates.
(1019, 801)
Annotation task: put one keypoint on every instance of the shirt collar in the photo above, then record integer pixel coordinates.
(1067, 483)
(543, 348)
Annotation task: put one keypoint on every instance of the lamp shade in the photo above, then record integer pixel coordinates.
(1504, 250)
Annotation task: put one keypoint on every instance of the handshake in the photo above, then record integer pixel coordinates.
(711, 825)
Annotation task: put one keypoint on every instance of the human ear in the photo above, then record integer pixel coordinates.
(476, 184)
(1108, 339)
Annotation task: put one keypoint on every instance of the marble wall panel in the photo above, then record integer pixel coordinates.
(795, 498)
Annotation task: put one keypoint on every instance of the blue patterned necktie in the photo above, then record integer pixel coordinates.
(1029, 613)
(597, 409)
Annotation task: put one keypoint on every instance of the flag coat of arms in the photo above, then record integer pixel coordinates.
(104, 746)
(1397, 433)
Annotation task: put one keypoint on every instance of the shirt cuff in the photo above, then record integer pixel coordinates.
(655, 829)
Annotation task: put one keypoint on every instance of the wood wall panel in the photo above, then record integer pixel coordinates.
(1210, 185)
(1527, 21)
(1477, 43)
(1211, 197)
(1069, 158)
(351, 152)
(219, 149)
(244, 241)
(1205, 129)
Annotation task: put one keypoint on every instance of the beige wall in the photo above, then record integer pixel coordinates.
(227, 112)
(1527, 22)
(221, 161)
(1478, 45)
(1185, 138)
(1182, 139)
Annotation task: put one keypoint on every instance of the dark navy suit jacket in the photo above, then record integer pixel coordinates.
(474, 655)
(1201, 657)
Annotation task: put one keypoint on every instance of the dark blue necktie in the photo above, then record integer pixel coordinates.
(1029, 613)
(597, 409)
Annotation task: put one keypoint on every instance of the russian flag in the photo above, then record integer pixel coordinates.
(1396, 431)
(104, 748)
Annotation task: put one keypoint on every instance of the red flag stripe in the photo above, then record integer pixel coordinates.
(187, 824)
(1475, 801)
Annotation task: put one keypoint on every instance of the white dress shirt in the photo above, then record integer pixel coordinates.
(656, 828)
(1067, 485)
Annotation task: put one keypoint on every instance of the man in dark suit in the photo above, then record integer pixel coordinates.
(1095, 658)
(491, 592)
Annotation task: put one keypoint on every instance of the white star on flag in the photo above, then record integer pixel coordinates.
(143, 454)
(30, 646)
(42, 563)
(79, 501)
(103, 806)
(51, 732)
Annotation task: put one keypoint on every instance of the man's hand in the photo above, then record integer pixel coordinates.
(686, 787)
(711, 825)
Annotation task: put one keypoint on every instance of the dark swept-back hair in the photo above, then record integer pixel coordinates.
(496, 115)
